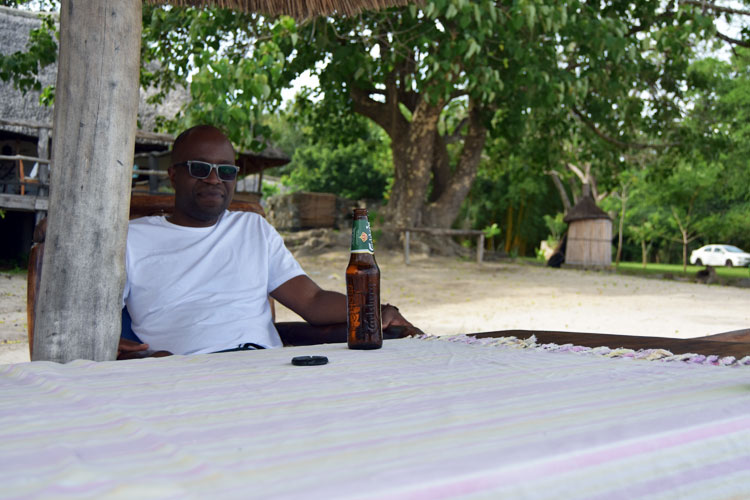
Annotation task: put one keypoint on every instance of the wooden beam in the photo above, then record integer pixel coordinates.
(23, 203)
(80, 296)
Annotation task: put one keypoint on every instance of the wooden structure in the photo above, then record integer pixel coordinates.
(303, 210)
(589, 235)
(443, 232)
(78, 313)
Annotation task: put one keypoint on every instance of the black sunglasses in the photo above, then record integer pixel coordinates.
(202, 169)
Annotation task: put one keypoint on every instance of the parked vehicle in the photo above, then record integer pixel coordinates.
(720, 255)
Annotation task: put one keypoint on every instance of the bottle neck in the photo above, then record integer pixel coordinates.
(361, 236)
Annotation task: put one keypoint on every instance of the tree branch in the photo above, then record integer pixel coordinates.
(733, 41)
(456, 135)
(560, 189)
(637, 29)
(716, 8)
(372, 109)
(579, 173)
(618, 143)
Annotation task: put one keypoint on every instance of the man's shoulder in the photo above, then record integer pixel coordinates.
(146, 224)
(243, 218)
(151, 220)
(242, 214)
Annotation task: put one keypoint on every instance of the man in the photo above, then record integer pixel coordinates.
(198, 281)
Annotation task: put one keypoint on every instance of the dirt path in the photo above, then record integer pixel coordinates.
(446, 295)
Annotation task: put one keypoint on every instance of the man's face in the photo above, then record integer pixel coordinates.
(200, 202)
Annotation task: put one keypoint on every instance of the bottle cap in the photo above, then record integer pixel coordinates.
(309, 360)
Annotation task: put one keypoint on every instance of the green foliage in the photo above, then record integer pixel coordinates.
(556, 225)
(23, 68)
(234, 78)
(268, 189)
(492, 231)
(332, 152)
(553, 83)
(357, 170)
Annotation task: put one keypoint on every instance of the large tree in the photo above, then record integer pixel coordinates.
(441, 77)
(616, 68)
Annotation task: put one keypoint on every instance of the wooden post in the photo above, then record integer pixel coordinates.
(153, 179)
(42, 151)
(406, 247)
(480, 248)
(22, 177)
(78, 312)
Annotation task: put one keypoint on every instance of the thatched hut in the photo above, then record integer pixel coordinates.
(589, 235)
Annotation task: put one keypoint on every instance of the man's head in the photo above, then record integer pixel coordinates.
(200, 202)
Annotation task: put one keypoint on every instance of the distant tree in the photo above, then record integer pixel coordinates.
(356, 165)
(501, 63)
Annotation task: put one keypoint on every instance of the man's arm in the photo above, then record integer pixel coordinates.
(316, 306)
(321, 307)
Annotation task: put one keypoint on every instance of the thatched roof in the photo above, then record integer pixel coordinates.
(586, 209)
(15, 26)
(29, 115)
(299, 9)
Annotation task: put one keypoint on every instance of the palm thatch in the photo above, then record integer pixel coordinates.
(586, 209)
(299, 9)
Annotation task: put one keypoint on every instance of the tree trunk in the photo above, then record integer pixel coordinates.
(420, 156)
(443, 211)
(684, 252)
(644, 253)
(624, 202)
(413, 154)
(78, 312)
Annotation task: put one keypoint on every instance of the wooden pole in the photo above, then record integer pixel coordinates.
(480, 248)
(78, 312)
(406, 247)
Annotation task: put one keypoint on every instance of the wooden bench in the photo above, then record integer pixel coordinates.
(443, 232)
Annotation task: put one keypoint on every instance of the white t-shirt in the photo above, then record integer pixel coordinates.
(196, 290)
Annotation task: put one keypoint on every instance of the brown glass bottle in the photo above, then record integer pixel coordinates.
(363, 288)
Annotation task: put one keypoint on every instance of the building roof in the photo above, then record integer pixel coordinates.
(300, 9)
(23, 114)
(586, 209)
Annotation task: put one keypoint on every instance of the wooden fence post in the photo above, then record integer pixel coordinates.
(406, 247)
(480, 248)
(78, 311)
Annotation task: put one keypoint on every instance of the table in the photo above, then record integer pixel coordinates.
(418, 419)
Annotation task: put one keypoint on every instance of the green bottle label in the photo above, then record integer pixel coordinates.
(361, 237)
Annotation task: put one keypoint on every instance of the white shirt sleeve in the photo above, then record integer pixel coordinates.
(282, 266)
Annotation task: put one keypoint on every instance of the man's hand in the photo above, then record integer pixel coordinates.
(397, 325)
(128, 349)
(323, 307)
(129, 346)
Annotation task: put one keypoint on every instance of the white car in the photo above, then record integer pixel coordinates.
(720, 255)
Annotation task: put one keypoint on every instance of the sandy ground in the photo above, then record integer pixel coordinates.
(447, 295)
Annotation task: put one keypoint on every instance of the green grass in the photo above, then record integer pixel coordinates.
(726, 275)
(14, 266)
(729, 273)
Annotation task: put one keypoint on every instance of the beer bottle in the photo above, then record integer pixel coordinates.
(363, 288)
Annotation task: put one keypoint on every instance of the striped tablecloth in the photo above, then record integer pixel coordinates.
(415, 420)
